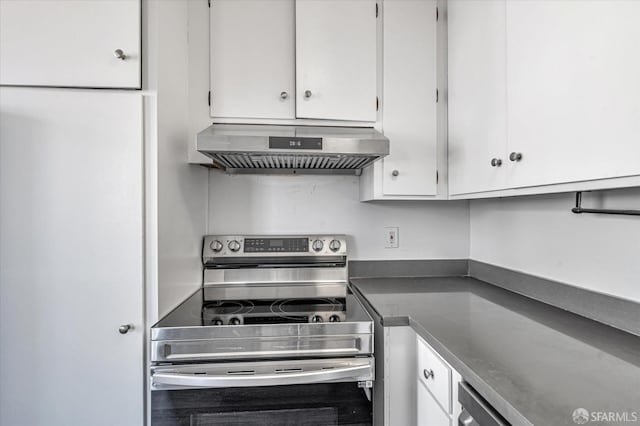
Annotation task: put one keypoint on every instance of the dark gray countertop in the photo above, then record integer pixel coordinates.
(533, 362)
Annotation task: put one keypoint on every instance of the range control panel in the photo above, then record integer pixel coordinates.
(276, 245)
(216, 246)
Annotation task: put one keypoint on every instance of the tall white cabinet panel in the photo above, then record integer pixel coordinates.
(574, 90)
(252, 59)
(477, 95)
(336, 59)
(71, 250)
(410, 83)
(70, 43)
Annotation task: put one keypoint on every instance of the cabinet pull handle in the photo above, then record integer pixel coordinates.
(284, 95)
(118, 53)
(307, 94)
(395, 173)
(515, 156)
(428, 373)
(496, 162)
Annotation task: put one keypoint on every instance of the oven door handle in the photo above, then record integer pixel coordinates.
(246, 380)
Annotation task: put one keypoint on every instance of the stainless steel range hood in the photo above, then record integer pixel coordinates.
(239, 148)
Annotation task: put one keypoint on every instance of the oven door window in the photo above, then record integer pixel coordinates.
(308, 405)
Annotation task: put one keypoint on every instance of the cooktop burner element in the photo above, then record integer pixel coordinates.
(281, 311)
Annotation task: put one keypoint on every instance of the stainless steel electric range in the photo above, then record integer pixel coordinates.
(274, 336)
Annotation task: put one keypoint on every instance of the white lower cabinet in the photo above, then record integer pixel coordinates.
(437, 388)
(435, 374)
(429, 412)
(419, 387)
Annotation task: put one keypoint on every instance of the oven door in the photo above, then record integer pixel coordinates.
(290, 392)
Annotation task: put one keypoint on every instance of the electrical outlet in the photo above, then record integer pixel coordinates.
(391, 236)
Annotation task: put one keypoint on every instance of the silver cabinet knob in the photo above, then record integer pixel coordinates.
(124, 328)
(307, 94)
(427, 373)
(496, 162)
(284, 95)
(118, 53)
(395, 173)
(515, 156)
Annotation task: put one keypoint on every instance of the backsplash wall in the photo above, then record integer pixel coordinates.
(329, 204)
(540, 235)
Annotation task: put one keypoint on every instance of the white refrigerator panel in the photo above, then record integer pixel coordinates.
(71, 251)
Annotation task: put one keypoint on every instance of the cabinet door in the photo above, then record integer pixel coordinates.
(336, 59)
(574, 90)
(477, 95)
(71, 250)
(252, 59)
(409, 119)
(429, 412)
(70, 43)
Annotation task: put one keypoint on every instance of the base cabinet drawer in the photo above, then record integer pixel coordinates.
(429, 412)
(435, 374)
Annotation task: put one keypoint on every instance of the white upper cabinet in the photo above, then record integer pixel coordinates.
(252, 59)
(413, 105)
(550, 89)
(574, 90)
(294, 59)
(409, 87)
(336, 59)
(70, 43)
(477, 95)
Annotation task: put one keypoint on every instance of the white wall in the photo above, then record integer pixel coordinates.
(181, 216)
(539, 235)
(310, 204)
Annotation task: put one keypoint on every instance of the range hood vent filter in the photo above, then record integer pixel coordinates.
(291, 149)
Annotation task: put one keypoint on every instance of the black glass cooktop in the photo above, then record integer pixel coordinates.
(196, 312)
(281, 311)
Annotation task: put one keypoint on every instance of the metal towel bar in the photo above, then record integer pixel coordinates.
(578, 209)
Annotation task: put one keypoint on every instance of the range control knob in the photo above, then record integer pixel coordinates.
(234, 321)
(234, 245)
(317, 245)
(335, 245)
(334, 318)
(216, 246)
(316, 318)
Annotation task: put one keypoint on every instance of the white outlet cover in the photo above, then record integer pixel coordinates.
(391, 236)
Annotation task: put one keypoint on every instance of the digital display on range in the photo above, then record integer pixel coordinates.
(276, 245)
